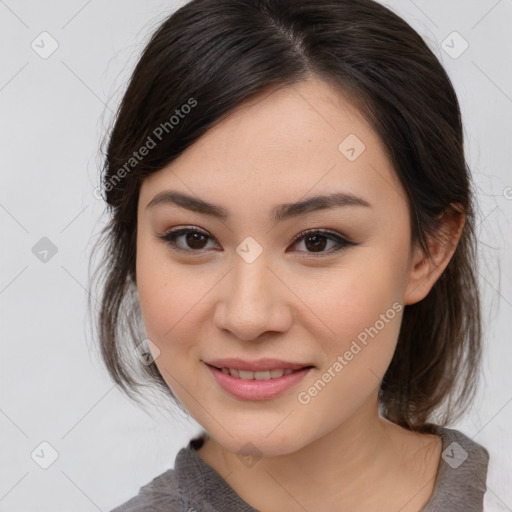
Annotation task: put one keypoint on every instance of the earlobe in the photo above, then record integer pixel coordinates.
(425, 269)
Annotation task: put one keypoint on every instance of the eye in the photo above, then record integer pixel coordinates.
(195, 241)
(317, 239)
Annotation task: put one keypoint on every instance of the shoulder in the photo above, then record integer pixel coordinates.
(162, 494)
(175, 489)
(461, 478)
(460, 451)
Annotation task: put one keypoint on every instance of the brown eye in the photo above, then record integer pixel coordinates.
(316, 241)
(195, 240)
(186, 239)
(190, 240)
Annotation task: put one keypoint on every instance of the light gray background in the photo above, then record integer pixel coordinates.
(53, 114)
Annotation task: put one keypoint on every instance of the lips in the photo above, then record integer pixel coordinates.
(259, 384)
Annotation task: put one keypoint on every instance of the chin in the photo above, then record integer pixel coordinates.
(256, 442)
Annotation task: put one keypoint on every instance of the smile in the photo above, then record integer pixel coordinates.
(257, 385)
(261, 375)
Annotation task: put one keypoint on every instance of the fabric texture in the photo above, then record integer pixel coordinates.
(194, 486)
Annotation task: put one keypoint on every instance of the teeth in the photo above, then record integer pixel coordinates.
(261, 375)
(245, 374)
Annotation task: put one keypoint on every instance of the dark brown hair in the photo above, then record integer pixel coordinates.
(216, 54)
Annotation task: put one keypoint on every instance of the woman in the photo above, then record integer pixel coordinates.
(292, 220)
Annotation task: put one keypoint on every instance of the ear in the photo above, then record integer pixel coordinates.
(425, 270)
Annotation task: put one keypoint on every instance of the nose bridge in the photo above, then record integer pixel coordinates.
(252, 302)
(249, 287)
(250, 272)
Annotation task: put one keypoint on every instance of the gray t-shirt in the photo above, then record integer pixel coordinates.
(194, 486)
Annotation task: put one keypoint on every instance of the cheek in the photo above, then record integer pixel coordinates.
(173, 298)
(162, 297)
(169, 307)
(365, 319)
(347, 300)
(359, 310)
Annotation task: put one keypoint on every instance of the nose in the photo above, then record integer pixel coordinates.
(253, 301)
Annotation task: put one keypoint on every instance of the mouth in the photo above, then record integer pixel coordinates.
(257, 380)
(274, 373)
(243, 369)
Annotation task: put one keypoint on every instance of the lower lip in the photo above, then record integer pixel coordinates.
(257, 389)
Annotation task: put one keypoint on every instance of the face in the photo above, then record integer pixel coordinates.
(242, 280)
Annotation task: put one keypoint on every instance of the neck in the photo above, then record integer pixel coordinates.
(336, 470)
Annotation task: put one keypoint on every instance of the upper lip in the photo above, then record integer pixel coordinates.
(254, 366)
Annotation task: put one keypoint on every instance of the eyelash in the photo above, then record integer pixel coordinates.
(170, 238)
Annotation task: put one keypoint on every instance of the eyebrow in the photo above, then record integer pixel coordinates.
(279, 213)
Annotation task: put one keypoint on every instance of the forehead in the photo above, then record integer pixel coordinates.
(281, 146)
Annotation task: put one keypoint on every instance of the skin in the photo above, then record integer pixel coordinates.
(279, 148)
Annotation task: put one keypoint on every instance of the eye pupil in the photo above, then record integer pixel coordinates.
(194, 237)
(319, 244)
